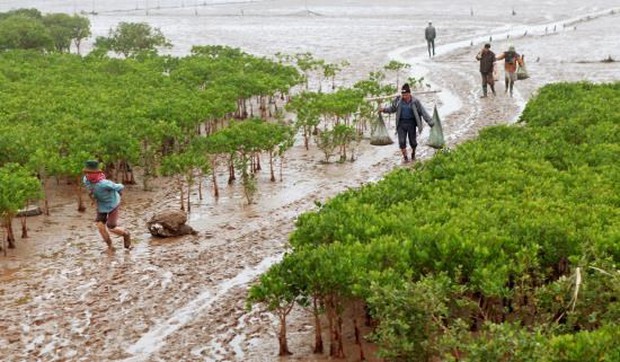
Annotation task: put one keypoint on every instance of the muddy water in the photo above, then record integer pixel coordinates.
(63, 298)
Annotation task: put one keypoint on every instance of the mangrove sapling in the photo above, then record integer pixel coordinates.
(182, 167)
(398, 68)
(307, 64)
(363, 116)
(343, 137)
(330, 71)
(17, 186)
(308, 120)
(276, 290)
(326, 142)
(248, 181)
(43, 161)
(250, 187)
(279, 137)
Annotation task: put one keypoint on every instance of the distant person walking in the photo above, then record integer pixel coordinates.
(511, 60)
(486, 58)
(430, 34)
(107, 195)
(409, 112)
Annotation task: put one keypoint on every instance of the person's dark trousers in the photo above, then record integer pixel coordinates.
(487, 79)
(407, 130)
(431, 47)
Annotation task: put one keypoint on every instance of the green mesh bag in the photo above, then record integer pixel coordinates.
(379, 135)
(522, 72)
(435, 137)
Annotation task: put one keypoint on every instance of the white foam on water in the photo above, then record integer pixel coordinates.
(154, 339)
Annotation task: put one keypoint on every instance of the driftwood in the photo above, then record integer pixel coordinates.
(29, 211)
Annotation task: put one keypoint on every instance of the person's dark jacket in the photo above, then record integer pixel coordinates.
(418, 110)
(486, 61)
(430, 33)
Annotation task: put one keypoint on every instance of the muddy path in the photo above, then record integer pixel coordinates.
(63, 298)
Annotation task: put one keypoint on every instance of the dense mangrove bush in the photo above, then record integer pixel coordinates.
(59, 109)
(505, 248)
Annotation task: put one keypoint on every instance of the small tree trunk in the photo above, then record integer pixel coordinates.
(333, 334)
(46, 206)
(216, 190)
(145, 182)
(343, 153)
(46, 209)
(189, 207)
(10, 236)
(239, 108)
(81, 207)
(3, 245)
(263, 107)
(318, 333)
(358, 340)
(128, 176)
(271, 172)
(282, 340)
(340, 351)
(181, 191)
(253, 166)
(306, 139)
(24, 227)
(231, 171)
(281, 167)
(257, 164)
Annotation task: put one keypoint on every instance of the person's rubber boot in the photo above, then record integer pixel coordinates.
(484, 92)
(413, 155)
(405, 158)
(127, 240)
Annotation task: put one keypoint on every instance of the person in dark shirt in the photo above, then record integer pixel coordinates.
(487, 60)
(409, 111)
(430, 34)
